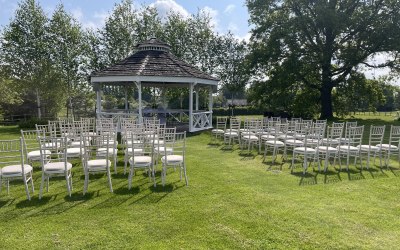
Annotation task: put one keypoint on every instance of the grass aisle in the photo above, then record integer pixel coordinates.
(231, 202)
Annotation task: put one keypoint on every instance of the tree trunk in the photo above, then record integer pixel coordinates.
(326, 102)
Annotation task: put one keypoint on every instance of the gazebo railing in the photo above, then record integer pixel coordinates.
(201, 121)
(117, 117)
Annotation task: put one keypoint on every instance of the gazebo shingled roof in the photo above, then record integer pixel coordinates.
(154, 66)
(157, 62)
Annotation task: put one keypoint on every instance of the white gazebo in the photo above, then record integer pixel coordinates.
(154, 66)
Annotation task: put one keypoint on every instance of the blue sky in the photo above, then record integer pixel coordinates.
(227, 14)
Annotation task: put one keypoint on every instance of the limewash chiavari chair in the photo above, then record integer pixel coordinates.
(352, 147)
(375, 138)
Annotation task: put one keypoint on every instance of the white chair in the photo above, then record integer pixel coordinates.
(352, 148)
(232, 134)
(347, 126)
(249, 137)
(273, 141)
(299, 134)
(31, 145)
(393, 147)
(163, 135)
(327, 148)
(96, 156)
(111, 139)
(142, 156)
(177, 158)
(219, 131)
(12, 164)
(56, 163)
(131, 135)
(307, 150)
(376, 134)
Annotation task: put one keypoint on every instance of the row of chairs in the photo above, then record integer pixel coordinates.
(54, 145)
(313, 141)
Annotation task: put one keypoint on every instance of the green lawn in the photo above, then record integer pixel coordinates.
(232, 202)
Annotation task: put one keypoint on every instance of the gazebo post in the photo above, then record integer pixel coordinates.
(191, 86)
(139, 86)
(126, 98)
(197, 98)
(98, 100)
(210, 103)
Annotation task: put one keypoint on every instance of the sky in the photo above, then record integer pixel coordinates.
(226, 15)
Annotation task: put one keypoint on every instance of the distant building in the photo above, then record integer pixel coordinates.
(236, 102)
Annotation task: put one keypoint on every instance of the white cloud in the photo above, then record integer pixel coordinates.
(233, 27)
(229, 9)
(377, 59)
(213, 14)
(165, 6)
(77, 14)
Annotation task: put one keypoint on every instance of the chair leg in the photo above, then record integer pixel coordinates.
(184, 173)
(86, 183)
(163, 174)
(68, 186)
(109, 179)
(41, 186)
(26, 187)
(33, 188)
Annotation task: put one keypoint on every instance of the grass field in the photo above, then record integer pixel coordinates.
(232, 202)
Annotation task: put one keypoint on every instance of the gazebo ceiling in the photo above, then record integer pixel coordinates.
(153, 64)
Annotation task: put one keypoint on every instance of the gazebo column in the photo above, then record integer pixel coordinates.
(139, 86)
(98, 100)
(191, 86)
(197, 98)
(126, 99)
(210, 103)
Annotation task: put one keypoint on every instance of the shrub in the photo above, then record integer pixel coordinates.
(30, 124)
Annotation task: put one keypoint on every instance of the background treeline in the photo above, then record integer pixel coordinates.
(304, 58)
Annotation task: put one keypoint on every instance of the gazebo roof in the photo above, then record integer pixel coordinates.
(153, 63)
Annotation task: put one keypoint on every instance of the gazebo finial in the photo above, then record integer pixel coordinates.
(153, 44)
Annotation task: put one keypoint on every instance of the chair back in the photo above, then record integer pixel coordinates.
(334, 135)
(355, 135)
(394, 137)
(235, 123)
(221, 123)
(12, 153)
(29, 140)
(376, 134)
(177, 143)
(53, 149)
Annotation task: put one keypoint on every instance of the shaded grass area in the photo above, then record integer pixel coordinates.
(232, 202)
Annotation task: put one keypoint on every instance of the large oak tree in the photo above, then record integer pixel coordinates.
(304, 46)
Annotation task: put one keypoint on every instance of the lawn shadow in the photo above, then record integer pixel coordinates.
(6, 203)
(274, 167)
(395, 171)
(227, 148)
(376, 173)
(331, 177)
(353, 174)
(306, 179)
(247, 155)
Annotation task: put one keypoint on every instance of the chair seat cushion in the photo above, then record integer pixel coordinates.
(250, 138)
(99, 163)
(15, 169)
(324, 149)
(140, 160)
(346, 148)
(138, 151)
(163, 149)
(293, 142)
(231, 134)
(35, 155)
(172, 159)
(285, 137)
(157, 142)
(56, 167)
(274, 143)
(304, 150)
(73, 152)
(388, 147)
(267, 137)
(103, 151)
(217, 131)
(366, 148)
(330, 141)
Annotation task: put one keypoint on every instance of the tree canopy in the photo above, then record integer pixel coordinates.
(309, 48)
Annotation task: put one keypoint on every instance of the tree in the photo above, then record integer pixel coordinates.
(318, 44)
(24, 49)
(232, 70)
(67, 52)
(119, 35)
